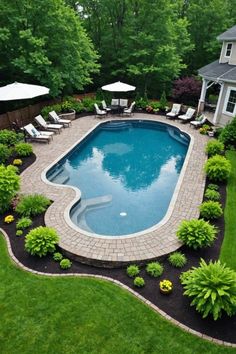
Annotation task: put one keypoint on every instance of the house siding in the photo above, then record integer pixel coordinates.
(223, 58)
(222, 119)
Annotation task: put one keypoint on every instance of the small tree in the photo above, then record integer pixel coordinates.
(9, 186)
(187, 90)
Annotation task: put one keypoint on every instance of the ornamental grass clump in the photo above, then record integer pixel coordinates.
(212, 288)
(212, 194)
(23, 223)
(217, 168)
(9, 186)
(211, 210)
(155, 269)
(41, 240)
(139, 282)
(132, 270)
(196, 233)
(214, 147)
(32, 204)
(177, 259)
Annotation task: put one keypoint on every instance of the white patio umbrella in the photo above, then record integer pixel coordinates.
(118, 87)
(19, 91)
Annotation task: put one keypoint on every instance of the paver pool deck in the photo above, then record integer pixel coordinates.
(115, 251)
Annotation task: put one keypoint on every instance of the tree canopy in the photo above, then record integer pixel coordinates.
(44, 42)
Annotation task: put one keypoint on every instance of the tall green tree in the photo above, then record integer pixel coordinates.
(43, 41)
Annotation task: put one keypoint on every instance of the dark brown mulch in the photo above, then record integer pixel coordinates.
(175, 304)
(27, 161)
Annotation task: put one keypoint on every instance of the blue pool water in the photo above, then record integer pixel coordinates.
(127, 172)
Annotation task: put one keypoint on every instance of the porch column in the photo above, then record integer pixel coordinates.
(203, 96)
(217, 111)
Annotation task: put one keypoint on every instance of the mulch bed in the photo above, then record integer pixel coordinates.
(175, 304)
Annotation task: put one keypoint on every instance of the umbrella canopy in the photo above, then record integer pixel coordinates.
(19, 91)
(118, 87)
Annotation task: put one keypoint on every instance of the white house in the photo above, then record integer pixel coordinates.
(222, 72)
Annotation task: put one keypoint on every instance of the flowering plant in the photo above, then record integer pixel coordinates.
(8, 219)
(166, 286)
(17, 162)
(149, 109)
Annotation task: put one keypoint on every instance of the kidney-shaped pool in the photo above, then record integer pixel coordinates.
(126, 171)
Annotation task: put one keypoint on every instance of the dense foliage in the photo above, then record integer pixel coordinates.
(9, 186)
(41, 240)
(228, 134)
(32, 204)
(211, 210)
(44, 42)
(155, 269)
(212, 288)
(177, 259)
(217, 168)
(214, 147)
(196, 233)
(9, 137)
(4, 153)
(23, 149)
(187, 90)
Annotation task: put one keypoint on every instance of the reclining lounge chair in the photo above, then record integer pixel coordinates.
(35, 135)
(50, 127)
(57, 120)
(174, 111)
(187, 116)
(199, 121)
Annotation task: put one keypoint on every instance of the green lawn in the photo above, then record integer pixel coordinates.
(77, 315)
(228, 249)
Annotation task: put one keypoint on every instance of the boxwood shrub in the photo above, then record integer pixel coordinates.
(41, 240)
(217, 168)
(211, 210)
(212, 288)
(196, 233)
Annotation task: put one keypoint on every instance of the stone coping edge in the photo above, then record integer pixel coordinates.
(123, 286)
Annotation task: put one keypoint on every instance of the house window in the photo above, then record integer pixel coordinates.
(228, 50)
(230, 102)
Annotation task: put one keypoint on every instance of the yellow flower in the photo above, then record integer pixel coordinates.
(17, 162)
(8, 219)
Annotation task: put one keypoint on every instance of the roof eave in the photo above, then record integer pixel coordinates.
(217, 79)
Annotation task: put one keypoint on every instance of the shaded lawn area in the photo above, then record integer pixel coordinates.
(80, 315)
(228, 249)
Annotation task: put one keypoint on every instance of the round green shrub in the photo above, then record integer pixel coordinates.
(212, 194)
(23, 223)
(5, 153)
(57, 256)
(9, 186)
(132, 270)
(139, 282)
(23, 149)
(19, 232)
(228, 134)
(212, 288)
(41, 240)
(214, 147)
(196, 233)
(65, 263)
(177, 259)
(9, 137)
(213, 186)
(217, 168)
(211, 210)
(155, 269)
(32, 204)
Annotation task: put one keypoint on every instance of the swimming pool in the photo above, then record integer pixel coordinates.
(127, 172)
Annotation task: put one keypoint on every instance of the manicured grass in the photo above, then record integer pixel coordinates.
(228, 249)
(79, 315)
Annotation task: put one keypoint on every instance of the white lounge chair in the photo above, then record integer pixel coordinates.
(57, 120)
(199, 121)
(188, 115)
(123, 102)
(104, 106)
(129, 111)
(115, 102)
(51, 127)
(99, 112)
(174, 111)
(36, 135)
